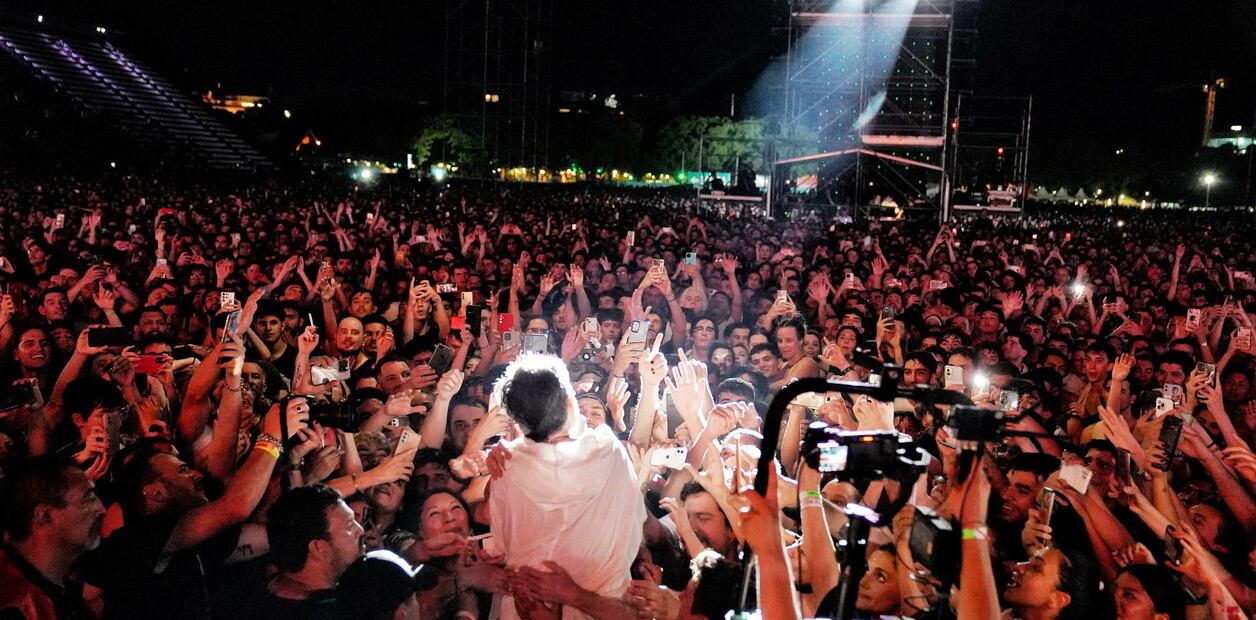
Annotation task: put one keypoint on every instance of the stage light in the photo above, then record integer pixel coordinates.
(366, 175)
(1209, 179)
(1236, 128)
(439, 173)
(39, 19)
(287, 114)
(1000, 151)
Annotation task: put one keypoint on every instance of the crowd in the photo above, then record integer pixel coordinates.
(304, 400)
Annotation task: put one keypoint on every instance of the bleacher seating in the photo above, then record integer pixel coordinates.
(148, 112)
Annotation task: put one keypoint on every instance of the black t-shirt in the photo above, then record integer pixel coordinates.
(125, 567)
(286, 363)
(320, 605)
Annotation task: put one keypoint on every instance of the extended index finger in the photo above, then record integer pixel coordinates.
(658, 343)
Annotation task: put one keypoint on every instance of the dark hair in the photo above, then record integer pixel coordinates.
(731, 327)
(1176, 357)
(294, 520)
(536, 394)
(1102, 347)
(1078, 579)
(1040, 464)
(371, 319)
(766, 346)
(925, 359)
(740, 387)
(29, 485)
(610, 314)
(1100, 444)
(1162, 587)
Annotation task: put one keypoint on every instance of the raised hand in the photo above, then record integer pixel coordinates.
(1122, 366)
(449, 384)
(307, 341)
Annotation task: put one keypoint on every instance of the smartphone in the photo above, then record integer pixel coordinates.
(1076, 476)
(535, 343)
(953, 375)
(937, 285)
(447, 288)
(1170, 433)
(1243, 338)
(60, 220)
(148, 364)
(343, 370)
(510, 339)
(1009, 400)
(233, 323)
(182, 352)
(1163, 406)
(441, 359)
(574, 226)
(1172, 548)
(475, 315)
(1193, 316)
(691, 258)
(1174, 392)
(1046, 505)
(108, 337)
(782, 297)
(659, 263)
(161, 262)
(590, 325)
(370, 218)
(887, 312)
(226, 298)
(456, 323)
(672, 458)
(408, 441)
(631, 238)
(505, 322)
(637, 332)
(1208, 370)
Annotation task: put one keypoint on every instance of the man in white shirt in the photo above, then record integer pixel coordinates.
(569, 495)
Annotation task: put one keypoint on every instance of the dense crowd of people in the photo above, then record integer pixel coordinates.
(299, 399)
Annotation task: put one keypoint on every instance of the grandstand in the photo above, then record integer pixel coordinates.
(94, 83)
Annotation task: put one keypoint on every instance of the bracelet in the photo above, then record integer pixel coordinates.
(268, 437)
(811, 493)
(236, 389)
(810, 502)
(976, 533)
(268, 448)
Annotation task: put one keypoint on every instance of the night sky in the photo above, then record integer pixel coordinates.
(1105, 74)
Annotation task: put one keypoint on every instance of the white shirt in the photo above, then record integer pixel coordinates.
(576, 503)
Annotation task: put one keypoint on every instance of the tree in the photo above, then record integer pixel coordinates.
(722, 143)
(441, 139)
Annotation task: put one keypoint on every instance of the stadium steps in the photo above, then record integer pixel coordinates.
(148, 112)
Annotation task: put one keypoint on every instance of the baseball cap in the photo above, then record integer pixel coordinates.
(375, 585)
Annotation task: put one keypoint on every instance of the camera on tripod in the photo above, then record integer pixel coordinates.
(857, 454)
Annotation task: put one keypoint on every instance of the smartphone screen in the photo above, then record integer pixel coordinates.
(474, 318)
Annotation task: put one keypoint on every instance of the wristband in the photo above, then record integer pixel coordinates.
(810, 502)
(270, 438)
(811, 493)
(976, 533)
(268, 448)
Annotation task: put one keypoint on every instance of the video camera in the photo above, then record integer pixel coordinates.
(976, 424)
(859, 455)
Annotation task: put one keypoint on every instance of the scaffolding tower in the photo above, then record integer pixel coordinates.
(496, 76)
(876, 76)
